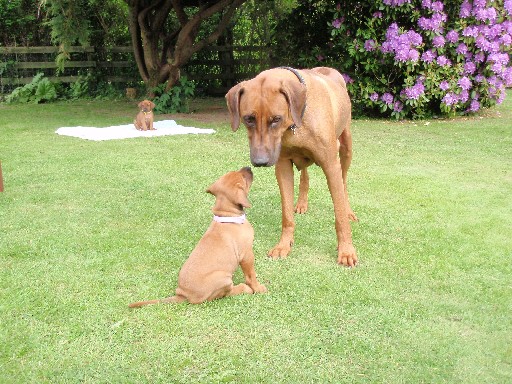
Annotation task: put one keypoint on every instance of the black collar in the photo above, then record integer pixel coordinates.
(293, 127)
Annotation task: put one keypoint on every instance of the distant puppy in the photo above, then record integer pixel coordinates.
(208, 272)
(144, 119)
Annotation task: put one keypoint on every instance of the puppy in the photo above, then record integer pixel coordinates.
(208, 272)
(144, 119)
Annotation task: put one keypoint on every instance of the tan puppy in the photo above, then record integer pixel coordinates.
(144, 119)
(208, 272)
(300, 117)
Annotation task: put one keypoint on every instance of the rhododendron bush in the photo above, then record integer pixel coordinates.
(416, 59)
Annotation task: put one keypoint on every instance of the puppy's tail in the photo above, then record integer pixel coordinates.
(172, 299)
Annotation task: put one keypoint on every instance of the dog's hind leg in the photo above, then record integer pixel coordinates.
(345, 151)
(302, 200)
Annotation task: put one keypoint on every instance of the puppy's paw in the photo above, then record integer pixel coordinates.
(260, 288)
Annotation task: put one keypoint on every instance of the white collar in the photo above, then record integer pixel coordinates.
(230, 219)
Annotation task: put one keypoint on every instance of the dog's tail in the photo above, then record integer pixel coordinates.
(172, 299)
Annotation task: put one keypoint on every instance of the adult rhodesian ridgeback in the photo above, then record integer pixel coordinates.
(208, 272)
(300, 117)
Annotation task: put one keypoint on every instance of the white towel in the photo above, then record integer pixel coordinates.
(163, 128)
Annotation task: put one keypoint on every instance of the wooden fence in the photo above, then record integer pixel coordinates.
(214, 69)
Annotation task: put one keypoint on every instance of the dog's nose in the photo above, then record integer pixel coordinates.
(260, 162)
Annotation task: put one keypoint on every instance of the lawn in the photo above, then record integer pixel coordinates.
(88, 227)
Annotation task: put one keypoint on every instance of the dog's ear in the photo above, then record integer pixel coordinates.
(152, 104)
(233, 102)
(295, 94)
(212, 189)
(241, 196)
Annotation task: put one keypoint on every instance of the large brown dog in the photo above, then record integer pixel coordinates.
(144, 119)
(208, 272)
(300, 117)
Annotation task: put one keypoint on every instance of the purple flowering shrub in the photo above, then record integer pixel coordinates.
(418, 58)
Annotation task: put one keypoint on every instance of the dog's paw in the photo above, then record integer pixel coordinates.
(279, 251)
(301, 207)
(260, 288)
(347, 255)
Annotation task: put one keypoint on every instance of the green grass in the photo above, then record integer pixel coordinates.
(87, 227)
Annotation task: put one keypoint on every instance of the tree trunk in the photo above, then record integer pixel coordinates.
(161, 54)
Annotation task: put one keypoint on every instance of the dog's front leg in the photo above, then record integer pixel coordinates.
(284, 175)
(346, 251)
(247, 265)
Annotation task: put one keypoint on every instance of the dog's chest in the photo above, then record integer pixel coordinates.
(148, 116)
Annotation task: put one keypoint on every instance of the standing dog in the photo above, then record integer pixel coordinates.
(144, 119)
(300, 117)
(208, 272)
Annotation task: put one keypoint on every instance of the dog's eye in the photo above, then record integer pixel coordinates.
(249, 120)
(274, 121)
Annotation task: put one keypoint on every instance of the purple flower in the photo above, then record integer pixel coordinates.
(336, 23)
(374, 96)
(479, 57)
(506, 40)
(464, 83)
(443, 61)
(507, 4)
(470, 32)
(347, 78)
(465, 9)
(369, 45)
(474, 106)
(387, 98)
(413, 55)
(428, 56)
(415, 91)
(377, 15)
(414, 38)
(444, 85)
(479, 78)
(426, 4)
(438, 41)
(462, 49)
(449, 99)
(469, 67)
(398, 106)
(437, 6)
(452, 36)
(425, 24)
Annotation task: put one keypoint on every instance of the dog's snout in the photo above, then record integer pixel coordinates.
(260, 162)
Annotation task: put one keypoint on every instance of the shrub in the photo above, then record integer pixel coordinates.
(176, 99)
(409, 58)
(39, 90)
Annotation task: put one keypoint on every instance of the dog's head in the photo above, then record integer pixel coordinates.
(146, 106)
(267, 105)
(231, 192)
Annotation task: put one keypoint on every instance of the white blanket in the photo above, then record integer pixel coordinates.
(163, 128)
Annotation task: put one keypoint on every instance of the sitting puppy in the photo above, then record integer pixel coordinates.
(208, 272)
(144, 119)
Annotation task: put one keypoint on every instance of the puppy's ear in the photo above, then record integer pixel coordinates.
(295, 94)
(152, 104)
(241, 196)
(233, 102)
(212, 189)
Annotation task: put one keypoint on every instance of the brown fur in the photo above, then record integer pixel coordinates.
(208, 272)
(268, 105)
(144, 119)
